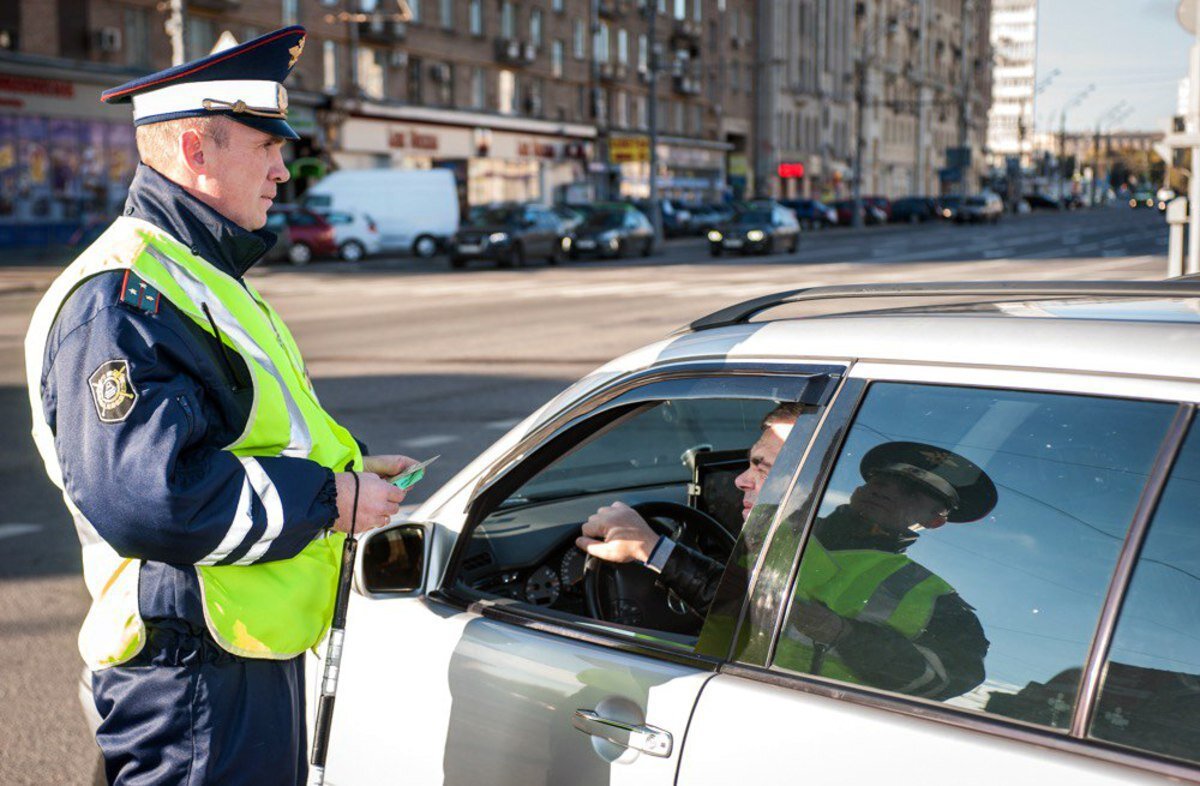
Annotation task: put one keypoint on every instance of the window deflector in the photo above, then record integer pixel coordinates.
(807, 385)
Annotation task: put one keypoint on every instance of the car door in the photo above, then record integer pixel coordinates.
(498, 673)
(995, 681)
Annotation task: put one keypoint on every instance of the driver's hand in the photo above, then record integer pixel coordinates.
(617, 534)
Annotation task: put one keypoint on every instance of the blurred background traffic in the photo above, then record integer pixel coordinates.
(475, 130)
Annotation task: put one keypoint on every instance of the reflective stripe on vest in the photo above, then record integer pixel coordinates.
(273, 610)
(864, 585)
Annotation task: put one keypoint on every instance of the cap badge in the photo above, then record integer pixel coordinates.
(295, 52)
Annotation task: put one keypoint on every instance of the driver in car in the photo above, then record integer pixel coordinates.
(862, 610)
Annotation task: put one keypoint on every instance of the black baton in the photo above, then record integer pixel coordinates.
(333, 653)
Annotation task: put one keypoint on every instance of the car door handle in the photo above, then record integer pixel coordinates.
(647, 739)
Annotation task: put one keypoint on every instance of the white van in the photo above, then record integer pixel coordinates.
(416, 209)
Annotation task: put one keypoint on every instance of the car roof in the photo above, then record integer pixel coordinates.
(1126, 327)
(1152, 336)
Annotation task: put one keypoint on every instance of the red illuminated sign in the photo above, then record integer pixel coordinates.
(789, 170)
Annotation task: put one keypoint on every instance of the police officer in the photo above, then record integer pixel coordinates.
(209, 487)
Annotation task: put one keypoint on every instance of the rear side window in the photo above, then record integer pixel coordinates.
(964, 544)
(1150, 698)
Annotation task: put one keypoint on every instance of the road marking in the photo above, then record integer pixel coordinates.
(430, 441)
(13, 530)
(504, 425)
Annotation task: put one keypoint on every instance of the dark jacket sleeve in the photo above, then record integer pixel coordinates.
(945, 661)
(157, 485)
(692, 576)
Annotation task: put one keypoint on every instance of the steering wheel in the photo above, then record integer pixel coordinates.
(629, 593)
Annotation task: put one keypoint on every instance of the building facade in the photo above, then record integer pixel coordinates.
(917, 74)
(806, 110)
(1014, 41)
(522, 99)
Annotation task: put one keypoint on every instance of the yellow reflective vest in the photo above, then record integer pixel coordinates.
(865, 585)
(272, 610)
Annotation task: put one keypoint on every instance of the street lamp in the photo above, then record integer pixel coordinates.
(1062, 126)
(1018, 190)
(1113, 111)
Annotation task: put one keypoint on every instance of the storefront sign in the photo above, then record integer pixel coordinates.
(534, 148)
(790, 170)
(411, 139)
(628, 149)
(54, 88)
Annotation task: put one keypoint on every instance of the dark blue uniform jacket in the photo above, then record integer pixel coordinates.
(157, 485)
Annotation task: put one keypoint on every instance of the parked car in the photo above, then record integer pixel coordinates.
(980, 208)
(760, 228)
(308, 234)
(949, 205)
(612, 231)
(571, 217)
(872, 215)
(1042, 202)
(676, 220)
(1065, 424)
(416, 210)
(509, 235)
(882, 204)
(914, 209)
(356, 234)
(811, 214)
(703, 217)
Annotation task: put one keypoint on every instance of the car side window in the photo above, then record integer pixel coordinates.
(964, 544)
(1150, 697)
(683, 464)
(300, 219)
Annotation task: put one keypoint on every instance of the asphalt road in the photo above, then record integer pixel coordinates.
(417, 359)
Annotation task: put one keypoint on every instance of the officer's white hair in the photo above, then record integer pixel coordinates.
(158, 143)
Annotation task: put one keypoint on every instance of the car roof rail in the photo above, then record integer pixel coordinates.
(741, 313)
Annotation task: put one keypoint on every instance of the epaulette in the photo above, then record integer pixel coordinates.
(138, 294)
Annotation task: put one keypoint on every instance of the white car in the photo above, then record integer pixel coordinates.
(1042, 630)
(356, 234)
(483, 648)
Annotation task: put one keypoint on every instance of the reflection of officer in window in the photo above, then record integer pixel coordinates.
(862, 610)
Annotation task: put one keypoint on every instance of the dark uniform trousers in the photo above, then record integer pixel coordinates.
(186, 712)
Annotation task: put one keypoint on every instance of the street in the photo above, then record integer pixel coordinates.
(417, 359)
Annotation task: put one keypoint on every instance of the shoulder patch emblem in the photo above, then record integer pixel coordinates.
(137, 293)
(112, 391)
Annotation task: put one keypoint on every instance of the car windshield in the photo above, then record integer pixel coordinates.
(604, 219)
(976, 201)
(753, 217)
(951, 201)
(492, 216)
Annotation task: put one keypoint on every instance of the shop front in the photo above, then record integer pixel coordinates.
(688, 170)
(491, 164)
(66, 159)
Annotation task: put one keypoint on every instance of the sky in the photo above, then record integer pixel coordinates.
(1132, 50)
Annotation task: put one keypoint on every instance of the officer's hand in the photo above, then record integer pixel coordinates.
(617, 534)
(387, 466)
(378, 501)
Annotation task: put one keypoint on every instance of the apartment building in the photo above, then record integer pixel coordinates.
(1014, 40)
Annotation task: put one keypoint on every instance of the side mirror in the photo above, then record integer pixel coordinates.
(393, 560)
